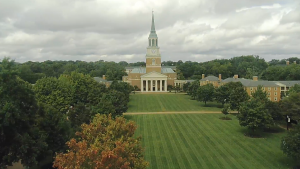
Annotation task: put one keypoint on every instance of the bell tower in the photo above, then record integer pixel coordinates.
(153, 59)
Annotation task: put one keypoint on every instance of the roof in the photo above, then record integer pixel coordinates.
(288, 83)
(251, 83)
(132, 67)
(210, 78)
(142, 70)
(99, 79)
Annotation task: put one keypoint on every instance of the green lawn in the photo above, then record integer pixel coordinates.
(203, 141)
(168, 103)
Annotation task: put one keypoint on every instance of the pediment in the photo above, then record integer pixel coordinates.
(154, 74)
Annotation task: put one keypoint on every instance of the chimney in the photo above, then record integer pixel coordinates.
(103, 77)
(236, 76)
(203, 76)
(220, 77)
(255, 78)
(295, 62)
(287, 62)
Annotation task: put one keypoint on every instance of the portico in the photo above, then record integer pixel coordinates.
(154, 82)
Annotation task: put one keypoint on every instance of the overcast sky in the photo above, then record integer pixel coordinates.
(117, 30)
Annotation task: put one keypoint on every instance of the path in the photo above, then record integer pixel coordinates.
(175, 112)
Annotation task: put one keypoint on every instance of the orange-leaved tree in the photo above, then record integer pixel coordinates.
(104, 143)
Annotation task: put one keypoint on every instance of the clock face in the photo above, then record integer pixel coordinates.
(153, 51)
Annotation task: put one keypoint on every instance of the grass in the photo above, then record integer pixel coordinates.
(168, 103)
(204, 141)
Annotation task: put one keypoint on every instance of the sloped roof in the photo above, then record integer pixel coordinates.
(251, 83)
(210, 78)
(142, 70)
(288, 83)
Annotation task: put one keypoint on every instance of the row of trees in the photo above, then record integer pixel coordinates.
(37, 120)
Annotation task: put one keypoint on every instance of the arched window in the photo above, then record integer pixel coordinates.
(156, 43)
(149, 42)
(153, 61)
(152, 42)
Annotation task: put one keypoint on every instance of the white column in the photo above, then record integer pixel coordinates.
(160, 85)
(151, 89)
(142, 87)
(146, 85)
(156, 85)
(165, 85)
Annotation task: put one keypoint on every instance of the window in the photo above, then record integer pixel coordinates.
(251, 88)
(269, 88)
(275, 88)
(269, 98)
(156, 43)
(269, 93)
(153, 61)
(152, 42)
(263, 88)
(149, 42)
(275, 93)
(275, 98)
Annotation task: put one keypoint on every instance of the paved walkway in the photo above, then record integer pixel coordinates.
(175, 112)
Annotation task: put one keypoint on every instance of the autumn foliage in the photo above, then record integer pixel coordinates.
(104, 143)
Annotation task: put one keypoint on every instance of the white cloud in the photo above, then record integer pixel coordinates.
(116, 30)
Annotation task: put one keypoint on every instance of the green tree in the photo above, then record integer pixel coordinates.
(290, 144)
(193, 89)
(51, 91)
(105, 143)
(260, 94)
(186, 86)
(254, 115)
(206, 93)
(222, 94)
(225, 110)
(291, 105)
(237, 96)
(294, 89)
(20, 139)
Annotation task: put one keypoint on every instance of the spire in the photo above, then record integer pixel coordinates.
(153, 32)
(152, 25)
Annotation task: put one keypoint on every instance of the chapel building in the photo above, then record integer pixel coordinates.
(153, 77)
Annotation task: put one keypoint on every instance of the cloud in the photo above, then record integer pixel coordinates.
(115, 30)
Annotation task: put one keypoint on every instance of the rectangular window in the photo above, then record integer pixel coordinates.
(269, 88)
(269, 93)
(251, 88)
(269, 98)
(275, 88)
(275, 98)
(275, 93)
(263, 88)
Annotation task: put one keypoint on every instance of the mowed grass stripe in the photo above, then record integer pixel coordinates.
(175, 154)
(151, 147)
(219, 159)
(166, 102)
(253, 152)
(223, 145)
(176, 139)
(191, 155)
(193, 144)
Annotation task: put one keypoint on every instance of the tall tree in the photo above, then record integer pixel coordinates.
(237, 96)
(20, 139)
(193, 89)
(206, 93)
(254, 115)
(290, 144)
(105, 143)
(222, 94)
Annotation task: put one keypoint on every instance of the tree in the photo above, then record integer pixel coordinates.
(291, 105)
(169, 88)
(54, 92)
(206, 93)
(290, 144)
(79, 114)
(254, 115)
(294, 89)
(105, 143)
(20, 139)
(222, 94)
(186, 87)
(135, 88)
(225, 110)
(237, 95)
(193, 89)
(260, 95)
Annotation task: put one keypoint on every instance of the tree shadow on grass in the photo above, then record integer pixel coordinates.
(257, 134)
(287, 161)
(274, 129)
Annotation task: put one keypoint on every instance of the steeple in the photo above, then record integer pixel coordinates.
(153, 32)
